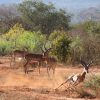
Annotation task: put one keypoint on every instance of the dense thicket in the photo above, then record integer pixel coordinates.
(44, 17)
(33, 24)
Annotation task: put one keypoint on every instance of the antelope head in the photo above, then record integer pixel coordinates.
(86, 66)
(46, 52)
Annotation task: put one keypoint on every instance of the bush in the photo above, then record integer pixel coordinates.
(23, 40)
(62, 47)
(91, 27)
(76, 49)
(31, 41)
(93, 83)
(5, 47)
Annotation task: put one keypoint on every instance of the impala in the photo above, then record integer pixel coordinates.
(76, 79)
(50, 64)
(35, 58)
(17, 54)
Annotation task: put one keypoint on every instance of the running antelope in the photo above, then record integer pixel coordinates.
(76, 79)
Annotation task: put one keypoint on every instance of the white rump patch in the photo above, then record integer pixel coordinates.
(75, 77)
(19, 59)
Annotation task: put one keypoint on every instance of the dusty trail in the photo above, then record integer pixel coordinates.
(15, 85)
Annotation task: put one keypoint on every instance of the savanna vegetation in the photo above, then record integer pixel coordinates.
(31, 24)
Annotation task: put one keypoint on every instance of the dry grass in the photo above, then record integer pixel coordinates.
(15, 85)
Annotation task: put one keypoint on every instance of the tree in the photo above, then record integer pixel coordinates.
(5, 46)
(44, 17)
(91, 27)
(9, 16)
(24, 40)
(61, 46)
(13, 34)
(87, 44)
(31, 41)
(91, 40)
(76, 49)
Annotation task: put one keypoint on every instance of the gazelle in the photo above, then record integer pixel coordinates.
(78, 78)
(49, 61)
(17, 54)
(50, 64)
(35, 58)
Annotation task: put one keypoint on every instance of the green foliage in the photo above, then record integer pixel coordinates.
(54, 36)
(23, 40)
(92, 27)
(76, 49)
(91, 45)
(61, 46)
(93, 83)
(31, 41)
(89, 38)
(14, 32)
(5, 47)
(44, 17)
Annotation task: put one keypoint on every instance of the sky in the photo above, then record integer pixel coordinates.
(70, 5)
(75, 4)
(9, 1)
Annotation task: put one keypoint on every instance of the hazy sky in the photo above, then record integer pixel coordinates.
(9, 1)
(75, 4)
(68, 4)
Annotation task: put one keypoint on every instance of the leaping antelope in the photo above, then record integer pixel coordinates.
(74, 80)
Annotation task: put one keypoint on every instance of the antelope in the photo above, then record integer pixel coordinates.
(76, 79)
(36, 58)
(49, 61)
(50, 64)
(17, 53)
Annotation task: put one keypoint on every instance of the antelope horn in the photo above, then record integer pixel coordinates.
(42, 49)
(90, 63)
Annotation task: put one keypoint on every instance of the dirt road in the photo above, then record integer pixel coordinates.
(15, 85)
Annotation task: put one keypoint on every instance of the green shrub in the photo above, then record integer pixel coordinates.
(23, 40)
(5, 47)
(76, 49)
(93, 83)
(62, 47)
(31, 41)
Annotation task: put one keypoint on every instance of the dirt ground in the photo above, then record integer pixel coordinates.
(15, 85)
